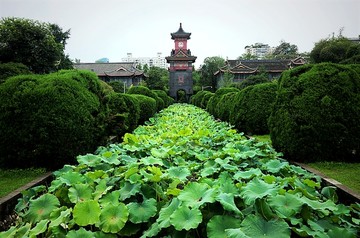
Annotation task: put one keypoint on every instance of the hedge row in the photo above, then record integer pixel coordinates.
(47, 120)
(312, 113)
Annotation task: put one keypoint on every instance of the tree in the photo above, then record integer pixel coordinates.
(158, 78)
(207, 70)
(285, 51)
(247, 56)
(336, 50)
(40, 46)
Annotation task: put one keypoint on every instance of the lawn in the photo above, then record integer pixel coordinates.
(12, 179)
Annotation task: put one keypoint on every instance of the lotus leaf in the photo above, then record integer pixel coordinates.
(79, 193)
(150, 160)
(180, 172)
(101, 189)
(113, 218)
(186, 218)
(86, 213)
(39, 228)
(342, 232)
(248, 174)
(70, 178)
(256, 226)
(129, 190)
(196, 194)
(286, 205)
(257, 188)
(61, 215)
(159, 153)
(80, 233)
(90, 160)
(110, 198)
(235, 233)
(275, 165)
(41, 207)
(141, 212)
(217, 226)
(227, 201)
(110, 158)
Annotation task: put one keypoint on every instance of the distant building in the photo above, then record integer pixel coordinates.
(125, 72)
(241, 69)
(259, 50)
(150, 61)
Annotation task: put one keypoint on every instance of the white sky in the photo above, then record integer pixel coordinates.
(112, 28)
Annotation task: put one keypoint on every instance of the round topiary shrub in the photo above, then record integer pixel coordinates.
(212, 103)
(147, 92)
(12, 69)
(317, 112)
(147, 107)
(251, 108)
(46, 120)
(196, 98)
(225, 106)
(118, 121)
(133, 110)
(163, 95)
(205, 99)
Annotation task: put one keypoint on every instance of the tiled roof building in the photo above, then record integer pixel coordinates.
(125, 72)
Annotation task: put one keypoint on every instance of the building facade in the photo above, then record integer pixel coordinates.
(259, 50)
(180, 61)
(157, 61)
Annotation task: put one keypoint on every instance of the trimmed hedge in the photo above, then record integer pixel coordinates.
(166, 98)
(147, 107)
(251, 108)
(212, 103)
(205, 99)
(12, 69)
(160, 104)
(317, 112)
(226, 105)
(46, 120)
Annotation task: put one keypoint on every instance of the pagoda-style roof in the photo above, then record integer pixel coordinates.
(124, 69)
(180, 55)
(180, 34)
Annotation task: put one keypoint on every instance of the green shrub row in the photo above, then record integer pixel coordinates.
(47, 120)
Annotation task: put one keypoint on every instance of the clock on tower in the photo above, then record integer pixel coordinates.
(180, 62)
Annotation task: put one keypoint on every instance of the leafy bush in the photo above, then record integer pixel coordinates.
(12, 69)
(119, 119)
(225, 106)
(196, 98)
(118, 86)
(166, 98)
(47, 120)
(133, 110)
(212, 103)
(160, 104)
(251, 108)
(205, 99)
(147, 107)
(317, 112)
(184, 175)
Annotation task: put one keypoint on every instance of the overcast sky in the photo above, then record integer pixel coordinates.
(112, 28)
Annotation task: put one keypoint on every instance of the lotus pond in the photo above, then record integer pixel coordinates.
(183, 174)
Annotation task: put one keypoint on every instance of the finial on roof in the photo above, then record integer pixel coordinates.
(180, 25)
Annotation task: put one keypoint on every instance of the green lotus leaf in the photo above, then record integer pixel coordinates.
(90, 160)
(39, 228)
(129, 190)
(323, 207)
(79, 193)
(59, 216)
(70, 178)
(330, 193)
(196, 194)
(130, 229)
(257, 189)
(86, 213)
(180, 172)
(185, 218)
(95, 175)
(100, 234)
(226, 184)
(275, 165)
(80, 233)
(227, 201)
(342, 232)
(159, 153)
(247, 174)
(217, 225)
(166, 212)
(286, 205)
(23, 231)
(256, 226)
(152, 231)
(269, 178)
(101, 189)
(113, 218)
(235, 233)
(41, 207)
(110, 198)
(11, 232)
(110, 158)
(155, 173)
(209, 171)
(141, 212)
(151, 160)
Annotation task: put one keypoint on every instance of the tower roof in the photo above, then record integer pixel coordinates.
(180, 34)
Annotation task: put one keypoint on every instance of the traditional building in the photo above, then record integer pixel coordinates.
(180, 62)
(241, 69)
(125, 72)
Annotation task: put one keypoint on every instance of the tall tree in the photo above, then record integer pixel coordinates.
(207, 70)
(158, 78)
(285, 51)
(40, 46)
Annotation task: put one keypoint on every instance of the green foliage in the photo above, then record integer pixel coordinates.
(205, 99)
(12, 69)
(251, 108)
(212, 105)
(160, 104)
(163, 95)
(336, 50)
(48, 119)
(158, 78)
(39, 46)
(252, 80)
(184, 175)
(316, 113)
(207, 70)
(196, 98)
(118, 86)
(147, 107)
(284, 51)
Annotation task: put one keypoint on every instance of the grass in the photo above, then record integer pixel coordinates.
(12, 179)
(345, 173)
(263, 138)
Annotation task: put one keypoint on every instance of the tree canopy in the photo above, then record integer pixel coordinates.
(210, 66)
(285, 51)
(40, 46)
(158, 78)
